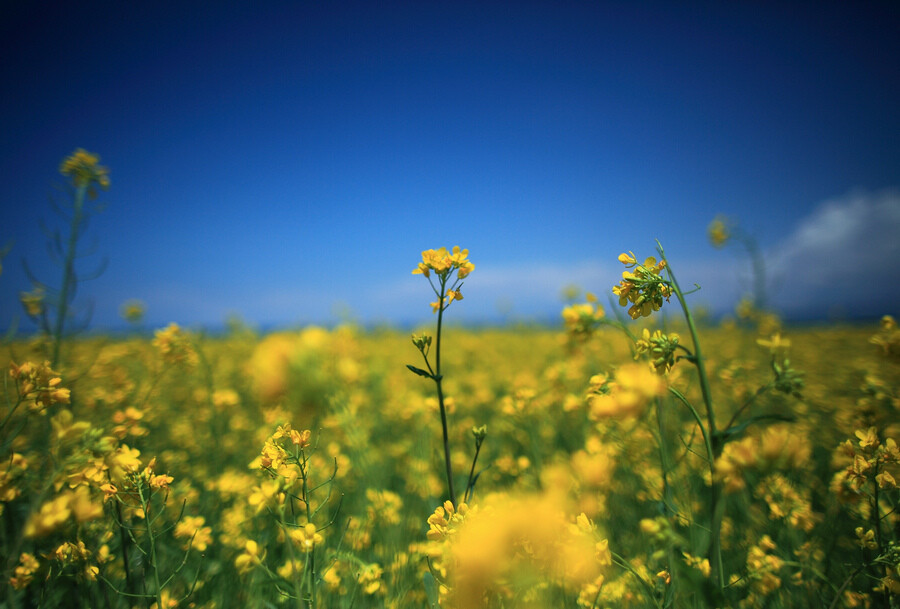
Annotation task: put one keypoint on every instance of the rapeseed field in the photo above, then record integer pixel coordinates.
(631, 457)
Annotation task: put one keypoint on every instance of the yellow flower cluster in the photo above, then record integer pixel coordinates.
(252, 556)
(787, 503)
(443, 262)
(56, 512)
(581, 319)
(174, 345)
(33, 301)
(763, 572)
(133, 311)
(306, 537)
(445, 520)
(193, 530)
(517, 544)
(643, 287)
(869, 459)
(660, 348)
(888, 337)
(719, 231)
(634, 387)
(85, 170)
(9, 489)
(38, 386)
(274, 456)
(24, 572)
(778, 446)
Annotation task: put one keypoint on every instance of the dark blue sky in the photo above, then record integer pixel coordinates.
(284, 160)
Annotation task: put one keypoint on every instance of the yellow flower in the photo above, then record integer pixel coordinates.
(160, 481)
(582, 319)
(39, 385)
(774, 343)
(250, 558)
(661, 348)
(442, 262)
(301, 438)
(33, 301)
(718, 231)
(634, 387)
(24, 572)
(133, 311)
(174, 345)
(85, 171)
(306, 537)
(867, 438)
(192, 529)
(109, 491)
(644, 288)
(370, 578)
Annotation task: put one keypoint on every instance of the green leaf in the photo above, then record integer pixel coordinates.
(431, 591)
(419, 371)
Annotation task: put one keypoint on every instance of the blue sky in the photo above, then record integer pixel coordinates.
(288, 161)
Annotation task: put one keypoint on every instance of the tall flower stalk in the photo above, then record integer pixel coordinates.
(85, 175)
(449, 269)
(644, 288)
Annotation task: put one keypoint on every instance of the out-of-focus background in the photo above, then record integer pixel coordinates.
(288, 161)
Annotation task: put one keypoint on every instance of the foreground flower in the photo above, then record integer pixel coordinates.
(643, 287)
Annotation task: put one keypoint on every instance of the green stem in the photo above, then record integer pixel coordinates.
(312, 553)
(68, 273)
(123, 539)
(716, 499)
(295, 580)
(151, 540)
(470, 484)
(440, 390)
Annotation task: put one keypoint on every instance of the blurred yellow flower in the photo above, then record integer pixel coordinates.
(133, 311)
(84, 169)
(306, 537)
(175, 346)
(634, 387)
(718, 231)
(33, 301)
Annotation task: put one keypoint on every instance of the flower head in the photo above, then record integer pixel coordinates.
(443, 262)
(643, 287)
(582, 319)
(661, 348)
(133, 311)
(84, 169)
(719, 231)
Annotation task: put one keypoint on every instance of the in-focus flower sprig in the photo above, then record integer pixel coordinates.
(643, 286)
(450, 270)
(443, 263)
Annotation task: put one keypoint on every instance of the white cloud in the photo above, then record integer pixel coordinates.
(841, 259)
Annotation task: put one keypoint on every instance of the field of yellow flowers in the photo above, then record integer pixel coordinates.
(306, 469)
(613, 462)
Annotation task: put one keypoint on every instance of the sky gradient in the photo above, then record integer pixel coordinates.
(288, 161)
